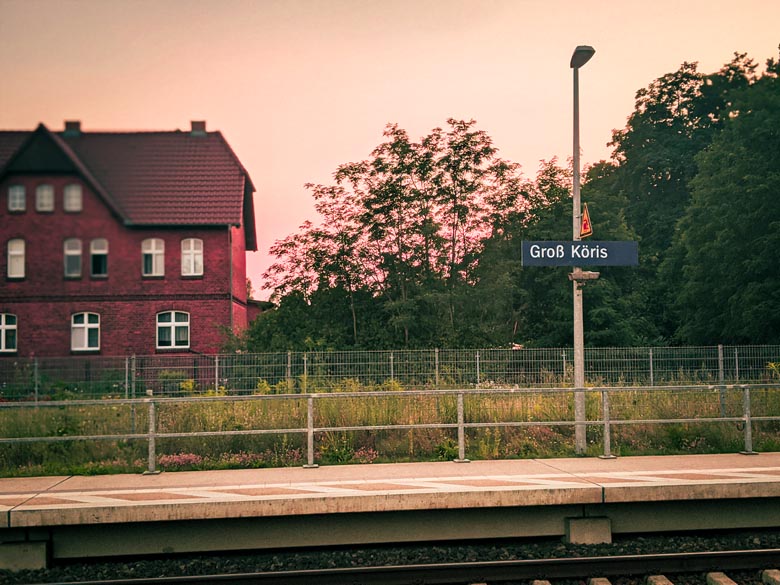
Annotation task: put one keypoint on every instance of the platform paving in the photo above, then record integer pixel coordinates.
(80, 500)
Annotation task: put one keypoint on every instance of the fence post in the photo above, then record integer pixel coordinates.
(736, 366)
(132, 394)
(607, 436)
(289, 372)
(748, 422)
(652, 377)
(216, 374)
(477, 368)
(563, 378)
(392, 370)
(310, 434)
(152, 467)
(36, 382)
(436, 364)
(305, 373)
(461, 432)
(127, 377)
(721, 382)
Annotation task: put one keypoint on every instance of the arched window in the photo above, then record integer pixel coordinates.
(7, 332)
(153, 257)
(85, 332)
(173, 330)
(192, 257)
(16, 258)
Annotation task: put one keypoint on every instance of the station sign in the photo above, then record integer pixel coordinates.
(564, 253)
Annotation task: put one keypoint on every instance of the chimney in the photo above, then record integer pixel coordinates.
(72, 128)
(198, 128)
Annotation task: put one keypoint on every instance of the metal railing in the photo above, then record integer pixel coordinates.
(307, 372)
(609, 407)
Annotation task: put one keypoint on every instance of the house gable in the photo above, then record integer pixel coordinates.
(44, 153)
(40, 155)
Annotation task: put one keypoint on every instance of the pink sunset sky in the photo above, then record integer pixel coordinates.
(298, 87)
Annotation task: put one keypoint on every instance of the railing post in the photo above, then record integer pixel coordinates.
(392, 370)
(152, 463)
(310, 434)
(721, 381)
(461, 432)
(607, 433)
(736, 366)
(478, 369)
(748, 421)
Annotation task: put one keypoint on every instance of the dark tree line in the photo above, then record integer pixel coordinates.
(419, 245)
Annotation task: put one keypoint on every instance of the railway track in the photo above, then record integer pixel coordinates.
(715, 564)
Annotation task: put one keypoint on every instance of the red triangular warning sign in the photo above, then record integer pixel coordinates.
(586, 228)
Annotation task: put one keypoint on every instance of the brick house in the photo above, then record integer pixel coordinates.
(121, 243)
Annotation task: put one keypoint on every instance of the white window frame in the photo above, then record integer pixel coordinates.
(71, 250)
(73, 198)
(154, 248)
(192, 257)
(6, 329)
(98, 247)
(44, 198)
(177, 322)
(79, 332)
(17, 198)
(16, 258)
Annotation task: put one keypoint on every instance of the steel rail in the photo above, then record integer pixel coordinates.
(481, 571)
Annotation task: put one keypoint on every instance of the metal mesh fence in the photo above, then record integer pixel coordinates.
(334, 371)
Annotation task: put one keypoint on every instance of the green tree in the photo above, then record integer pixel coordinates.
(408, 226)
(675, 118)
(726, 249)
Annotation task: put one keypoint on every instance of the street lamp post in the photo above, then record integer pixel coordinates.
(581, 55)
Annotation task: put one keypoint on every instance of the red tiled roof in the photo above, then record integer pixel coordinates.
(158, 178)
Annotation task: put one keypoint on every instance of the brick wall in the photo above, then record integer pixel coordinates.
(126, 301)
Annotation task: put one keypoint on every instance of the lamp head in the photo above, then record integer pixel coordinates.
(581, 55)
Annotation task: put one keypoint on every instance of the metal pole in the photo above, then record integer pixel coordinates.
(310, 434)
(392, 373)
(477, 368)
(579, 352)
(461, 432)
(216, 374)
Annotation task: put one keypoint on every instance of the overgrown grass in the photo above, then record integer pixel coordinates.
(498, 439)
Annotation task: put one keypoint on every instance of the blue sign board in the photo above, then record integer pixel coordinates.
(582, 253)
